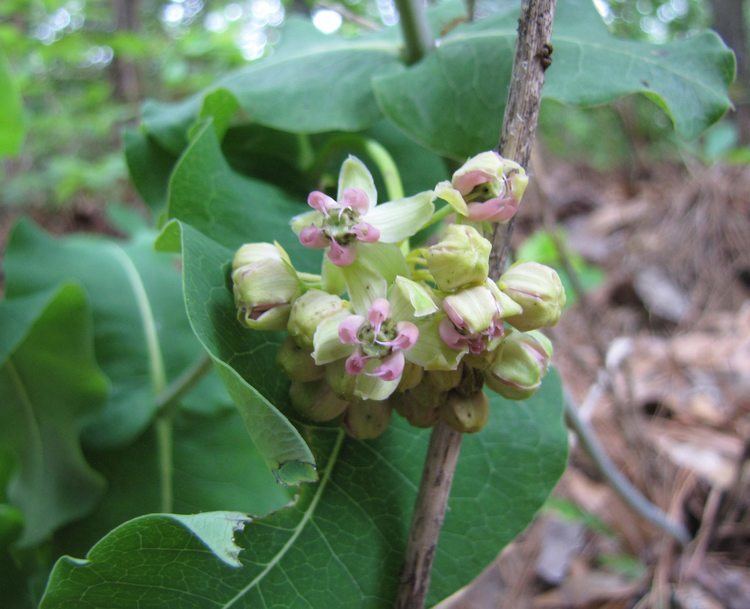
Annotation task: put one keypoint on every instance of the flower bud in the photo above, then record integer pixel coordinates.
(308, 311)
(410, 377)
(444, 380)
(297, 363)
(341, 382)
(520, 363)
(250, 253)
(466, 414)
(316, 401)
(264, 287)
(367, 419)
(538, 290)
(460, 259)
(472, 310)
(420, 406)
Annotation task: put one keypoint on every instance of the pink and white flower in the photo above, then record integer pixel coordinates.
(338, 225)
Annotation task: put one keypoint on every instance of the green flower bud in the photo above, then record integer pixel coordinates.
(410, 377)
(444, 380)
(297, 363)
(520, 363)
(308, 311)
(466, 414)
(264, 284)
(367, 419)
(316, 401)
(339, 380)
(250, 253)
(420, 406)
(538, 290)
(460, 259)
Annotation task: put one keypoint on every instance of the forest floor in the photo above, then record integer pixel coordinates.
(657, 359)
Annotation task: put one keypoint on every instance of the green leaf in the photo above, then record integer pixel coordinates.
(49, 385)
(310, 83)
(453, 101)
(229, 208)
(142, 336)
(12, 130)
(246, 361)
(215, 467)
(342, 543)
(150, 166)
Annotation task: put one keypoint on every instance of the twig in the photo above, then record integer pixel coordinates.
(417, 35)
(619, 483)
(429, 513)
(533, 57)
(522, 111)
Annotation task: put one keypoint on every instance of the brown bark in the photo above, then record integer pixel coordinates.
(429, 513)
(533, 57)
(729, 23)
(124, 72)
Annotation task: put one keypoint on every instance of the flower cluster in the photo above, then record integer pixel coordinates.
(385, 328)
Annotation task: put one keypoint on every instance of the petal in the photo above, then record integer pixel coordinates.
(390, 367)
(326, 342)
(450, 336)
(314, 237)
(430, 351)
(367, 279)
(354, 174)
(454, 315)
(466, 182)
(321, 202)
(378, 312)
(446, 192)
(410, 299)
(366, 232)
(349, 328)
(400, 219)
(355, 363)
(374, 388)
(341, 255)
(356, 198)
(495, 210)
(407, 336)
(300, 221)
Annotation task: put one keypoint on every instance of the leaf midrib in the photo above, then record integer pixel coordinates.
(297, 531)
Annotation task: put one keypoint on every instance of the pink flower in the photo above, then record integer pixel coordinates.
(379, 340)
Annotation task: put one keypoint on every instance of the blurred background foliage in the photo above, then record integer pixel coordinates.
(104, 57)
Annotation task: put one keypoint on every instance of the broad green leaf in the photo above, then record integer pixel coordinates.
(229, 208)
(342, 543)
(453, 101)
(11, 112)
(49, 385)
(149, 166)
(246, 361)
(142, 336)
(215, 467)
(310, 83)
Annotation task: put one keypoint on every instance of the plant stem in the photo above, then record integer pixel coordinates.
(166, 403)
(533, 57)
(418, 38)
(429, 513)
(619, 483)
(387, 167)
(439, 215)
(182, 385)
(165, 446)
(522, 111)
